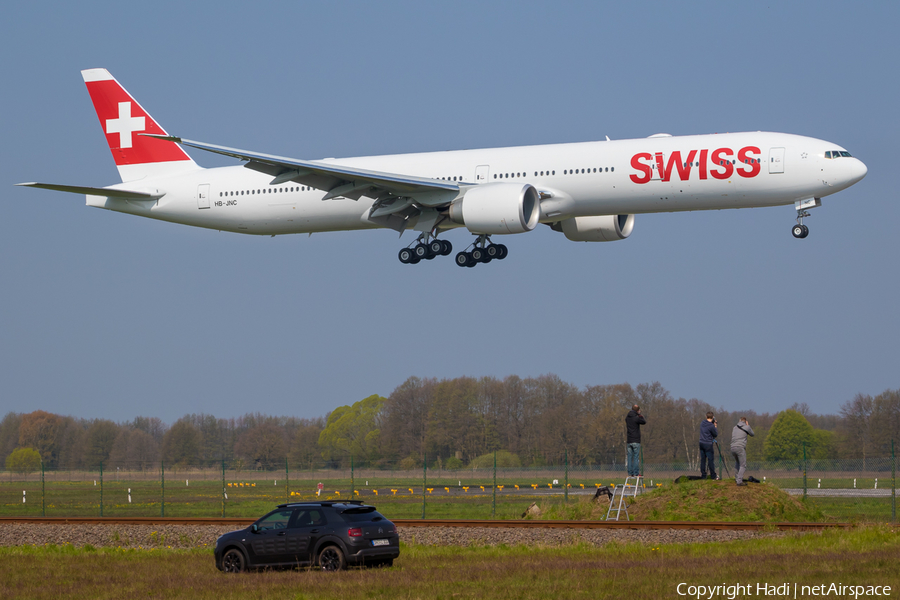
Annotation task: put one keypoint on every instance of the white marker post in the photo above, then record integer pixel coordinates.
(876, 483)
(820, 484)
(129, 495)
(23, 496)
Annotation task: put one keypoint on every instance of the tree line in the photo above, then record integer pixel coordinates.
(451, 423)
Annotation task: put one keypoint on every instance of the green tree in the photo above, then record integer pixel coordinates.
(99, 441)
(505, 459)
(787, 435)
(23, 460)
(181, 443)
(353, 430)
(41, 430)
(263, 444)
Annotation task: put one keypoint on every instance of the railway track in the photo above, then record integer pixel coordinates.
(238, 522)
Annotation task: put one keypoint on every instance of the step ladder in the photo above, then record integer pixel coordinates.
(632, 487)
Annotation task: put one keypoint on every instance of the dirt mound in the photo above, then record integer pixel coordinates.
(720, 501)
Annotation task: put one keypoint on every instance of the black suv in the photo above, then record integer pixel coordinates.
(330, 535)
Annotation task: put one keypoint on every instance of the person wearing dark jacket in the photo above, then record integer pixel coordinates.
(708, 433)
(633, 423)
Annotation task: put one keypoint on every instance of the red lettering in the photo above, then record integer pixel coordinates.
(703, 154)
(642, 167)
(753, 164)
(721, 159)
(684, 168)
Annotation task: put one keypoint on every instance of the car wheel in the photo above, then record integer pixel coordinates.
(332, 559)
(234, 561)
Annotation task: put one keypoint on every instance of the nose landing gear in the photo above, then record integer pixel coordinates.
(483, 251)
(800, 230)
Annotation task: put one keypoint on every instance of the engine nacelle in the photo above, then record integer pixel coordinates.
(498, 208)
(606, 228)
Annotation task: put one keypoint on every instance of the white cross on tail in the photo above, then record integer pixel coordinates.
(125, 125)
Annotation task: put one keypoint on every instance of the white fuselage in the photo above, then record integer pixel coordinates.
(578, 179)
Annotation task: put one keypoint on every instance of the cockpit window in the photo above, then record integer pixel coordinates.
(845, 154)
(837, 154)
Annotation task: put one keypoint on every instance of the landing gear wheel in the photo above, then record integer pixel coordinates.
(462, 259)
(493, 251)
(805, 231)
(234, 562)
(478, 254)
(797, 231)
(406, 256)
(436, 247)
(422, 251)
(332, 559)
(504, 251)
(448, 248)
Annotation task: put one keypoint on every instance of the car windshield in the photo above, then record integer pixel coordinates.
(359, 515)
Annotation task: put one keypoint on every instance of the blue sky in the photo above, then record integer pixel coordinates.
(108, 315)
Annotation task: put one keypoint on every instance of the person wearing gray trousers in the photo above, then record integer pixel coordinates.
(739, 448)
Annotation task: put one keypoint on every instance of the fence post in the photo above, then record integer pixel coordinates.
(101, 488)
(287, 482)
(223, 488)
(162, 504)
(43, 505)
(494, 498)
(424, 480)
(893, 484)
(566, 482)
(804, 470)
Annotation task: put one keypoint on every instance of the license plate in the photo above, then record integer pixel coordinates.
(381, 542)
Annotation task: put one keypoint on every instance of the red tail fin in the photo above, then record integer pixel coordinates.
(122, 118)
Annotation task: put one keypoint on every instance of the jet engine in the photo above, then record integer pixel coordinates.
(498, 208)
(606, 228)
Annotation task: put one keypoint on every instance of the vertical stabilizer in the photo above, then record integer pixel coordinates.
(122, 119)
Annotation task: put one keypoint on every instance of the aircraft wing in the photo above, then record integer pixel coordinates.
(95, 191)
(338, 180)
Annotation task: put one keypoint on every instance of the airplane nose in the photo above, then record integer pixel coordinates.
(858, 170)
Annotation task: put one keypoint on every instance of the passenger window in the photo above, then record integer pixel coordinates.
(277, 520)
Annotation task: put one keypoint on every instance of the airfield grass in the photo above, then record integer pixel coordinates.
(404, 500)
(861, 556)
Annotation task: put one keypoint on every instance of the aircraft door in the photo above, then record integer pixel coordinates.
(482, 172)
(203, 195)
(776, 160)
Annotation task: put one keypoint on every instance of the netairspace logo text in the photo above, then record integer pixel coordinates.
(783, 590)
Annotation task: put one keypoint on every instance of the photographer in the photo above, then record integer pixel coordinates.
(709, 431)
(633, 423)
(739, 448)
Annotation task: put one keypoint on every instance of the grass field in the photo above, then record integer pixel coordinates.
(398, 498)
(866, 556)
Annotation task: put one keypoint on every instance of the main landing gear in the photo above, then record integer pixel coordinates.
(483, 251)
(426, 247)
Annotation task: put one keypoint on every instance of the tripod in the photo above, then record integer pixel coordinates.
(724, 463)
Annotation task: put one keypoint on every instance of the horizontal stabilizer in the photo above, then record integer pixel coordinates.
(95, 191)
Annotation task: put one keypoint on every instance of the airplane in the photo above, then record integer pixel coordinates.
(588, 191)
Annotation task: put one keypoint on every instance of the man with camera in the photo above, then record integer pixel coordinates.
(709, 431)
(739, 448)
(633, 423)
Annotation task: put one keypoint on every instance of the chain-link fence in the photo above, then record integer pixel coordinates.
(844, 489)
